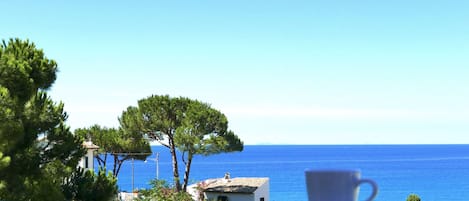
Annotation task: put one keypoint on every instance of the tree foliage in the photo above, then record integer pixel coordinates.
(37, 149)
(119, 145)
(192, 127)
(28, 114)
(161, 191)
(84, 185)
(413, 197)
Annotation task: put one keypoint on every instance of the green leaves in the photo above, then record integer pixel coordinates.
(161, 191)
(106, 138)
(161, 115)
(4, 162)
(204, 131)
(33, 134)
(119, 143)
(189, 125)
(88, 186)
(131, 123)
(413, 197)
(193, 125)
(24, 69)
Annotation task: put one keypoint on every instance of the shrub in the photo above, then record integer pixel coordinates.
(413, 197)
(161, 191)
(86, 185)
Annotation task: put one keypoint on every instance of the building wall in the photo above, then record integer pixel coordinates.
(231, 196)
(262, 191)
(88, 157)
(193, 191)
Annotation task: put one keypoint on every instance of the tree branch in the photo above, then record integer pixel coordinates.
(100, 160)
(184, 158)
(161, 142)
(105, 159)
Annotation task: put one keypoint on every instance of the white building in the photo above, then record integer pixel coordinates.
(232, 189)
(87, 161)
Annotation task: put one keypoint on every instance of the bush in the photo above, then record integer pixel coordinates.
(161, 191)
(413, 197)
(87, 186)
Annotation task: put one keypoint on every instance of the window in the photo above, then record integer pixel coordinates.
(262, 199)
(86, 161)
(222, 198)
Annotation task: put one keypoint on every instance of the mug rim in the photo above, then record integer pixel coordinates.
(324, 170)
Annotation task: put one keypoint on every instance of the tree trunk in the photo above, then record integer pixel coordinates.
(101, 161)
(172, 149)
(119, 165)
(98, 158)
(187, 171)
(105, 159)
(115, 165)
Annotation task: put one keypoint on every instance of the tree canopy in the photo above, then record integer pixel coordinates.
(190, 126)
(37, 149)
(117, 143)
(28, 114)
(85, 185)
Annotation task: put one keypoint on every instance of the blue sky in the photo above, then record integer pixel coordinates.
(284, 72)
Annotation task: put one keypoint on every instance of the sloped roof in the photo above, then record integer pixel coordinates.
(89, 145)
(234, 185)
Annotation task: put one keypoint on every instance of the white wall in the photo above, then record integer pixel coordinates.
(89, 155)
(262, 191)
(193, 191)
(231, 196)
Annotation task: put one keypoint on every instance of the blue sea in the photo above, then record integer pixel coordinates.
(434, 172)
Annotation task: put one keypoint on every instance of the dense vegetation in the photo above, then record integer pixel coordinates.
(38, 153)
(191, 126)
(183, 124)
(160, 190)
(116, 143)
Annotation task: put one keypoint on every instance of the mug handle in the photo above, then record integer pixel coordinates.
(373, 184)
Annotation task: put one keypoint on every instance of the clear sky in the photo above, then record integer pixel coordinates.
(284, 72)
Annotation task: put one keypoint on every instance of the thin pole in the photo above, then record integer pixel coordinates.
(157, 165)
(133, 154)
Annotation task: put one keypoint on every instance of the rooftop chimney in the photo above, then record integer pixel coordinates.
(227, 177)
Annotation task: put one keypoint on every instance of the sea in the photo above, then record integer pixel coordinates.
(434, 172)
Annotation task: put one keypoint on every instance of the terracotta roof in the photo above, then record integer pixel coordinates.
(234, 185)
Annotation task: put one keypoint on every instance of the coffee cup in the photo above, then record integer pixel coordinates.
(336, 185)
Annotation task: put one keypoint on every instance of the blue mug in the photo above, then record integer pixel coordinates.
(336, 185)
